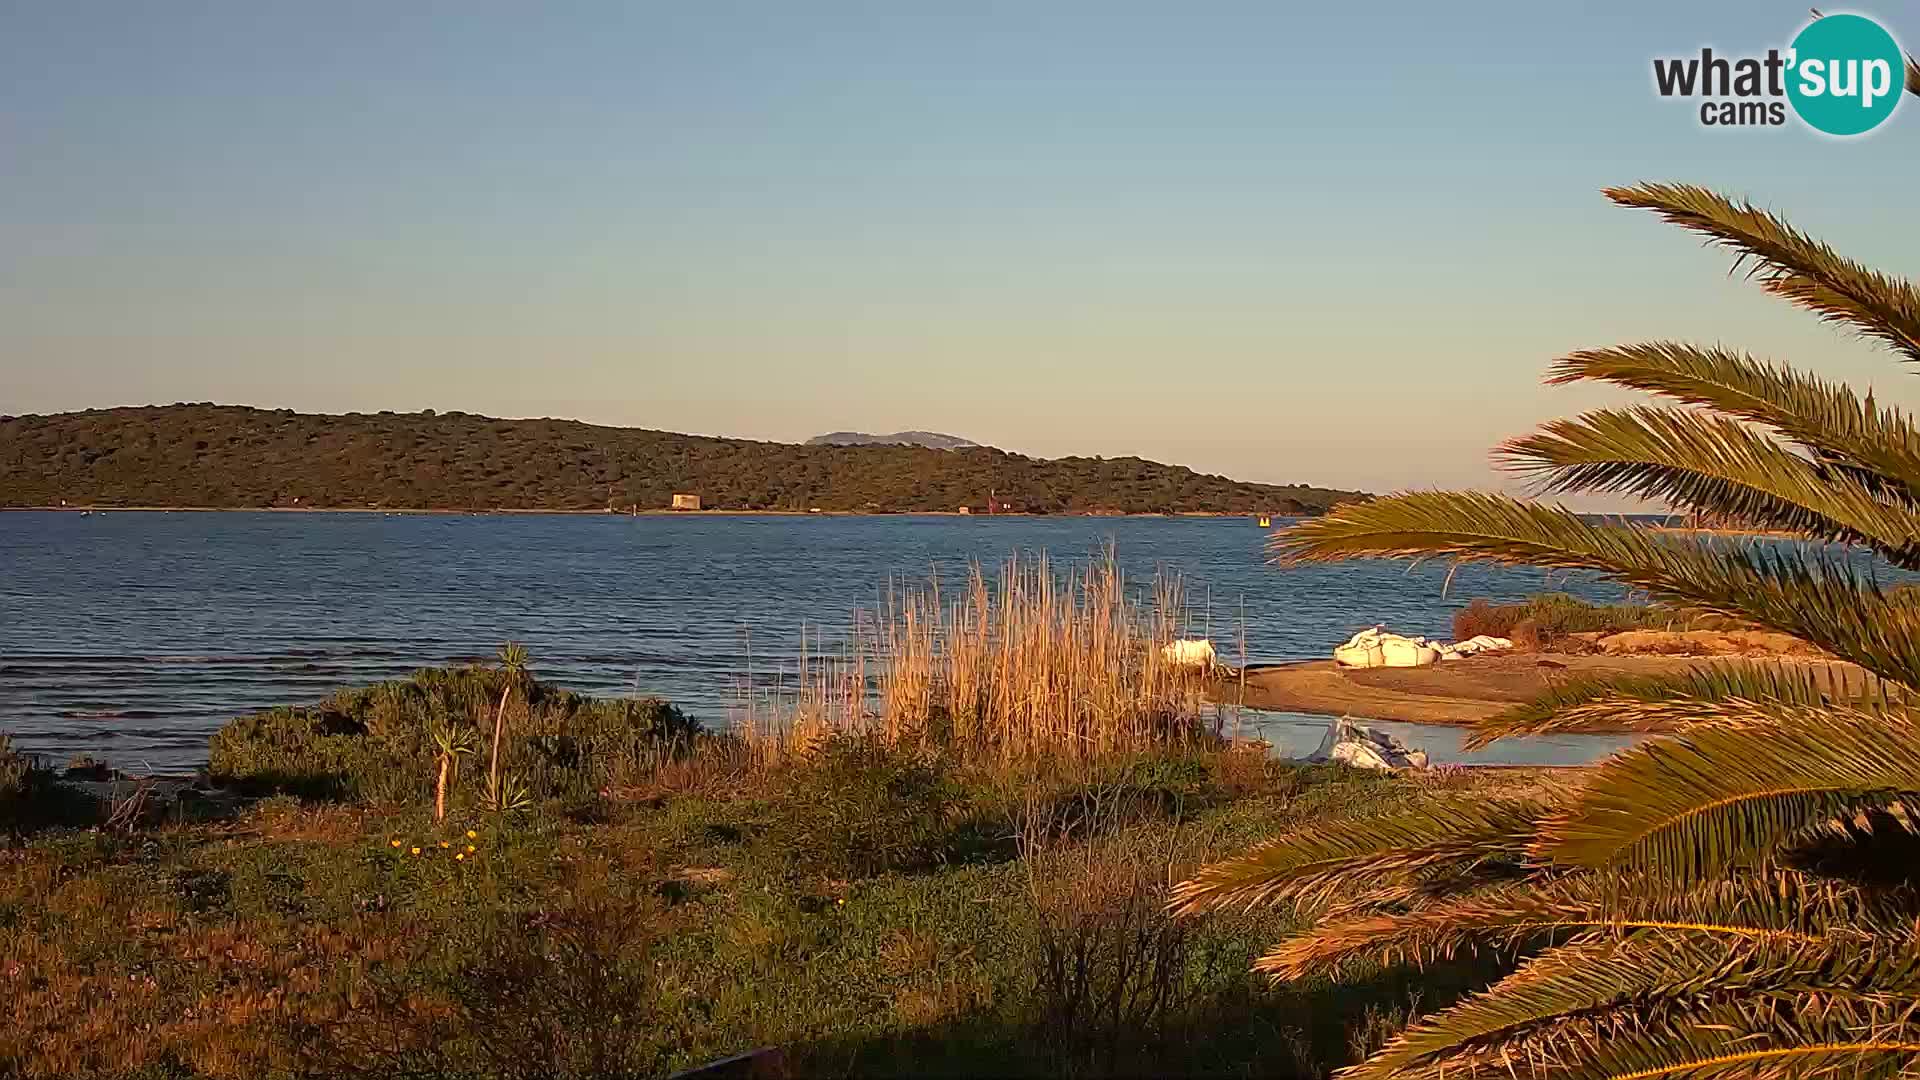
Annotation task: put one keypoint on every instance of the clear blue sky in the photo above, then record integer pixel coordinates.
(1334, 243)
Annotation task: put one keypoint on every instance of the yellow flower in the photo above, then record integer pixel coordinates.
(416, 851)
(842, 901)
(460, 856)
(443, 843)
(470, 847)
(471, 835)
(396, 841)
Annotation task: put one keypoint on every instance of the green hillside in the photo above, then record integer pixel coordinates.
(234, 456)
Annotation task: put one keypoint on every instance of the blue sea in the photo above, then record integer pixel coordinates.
(134, 635)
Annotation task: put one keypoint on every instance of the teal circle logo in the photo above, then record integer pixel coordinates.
(1846, 74)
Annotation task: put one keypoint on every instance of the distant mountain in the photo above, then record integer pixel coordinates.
(233, 456)
(932, 440)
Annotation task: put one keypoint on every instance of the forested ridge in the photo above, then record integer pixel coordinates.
(236, 456)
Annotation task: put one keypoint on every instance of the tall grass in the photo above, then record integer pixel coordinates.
(1029, 663)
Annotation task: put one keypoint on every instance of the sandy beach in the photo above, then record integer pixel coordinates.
(1455, 692)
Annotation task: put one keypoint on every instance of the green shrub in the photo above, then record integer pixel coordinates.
(1547, 617)
(14, 771)
(377, 743)
(858, 806)
(30, 799)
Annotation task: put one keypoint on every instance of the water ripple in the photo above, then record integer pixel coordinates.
(135, 635)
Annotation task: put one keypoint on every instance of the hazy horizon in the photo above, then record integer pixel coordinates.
(1327, 247)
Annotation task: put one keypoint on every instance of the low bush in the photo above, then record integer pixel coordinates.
(15, 770)
(1112, 967)
(1482, 616)
(856, 806)
(30, 799)
(14, 767)
(377, 742)
(1546, 619)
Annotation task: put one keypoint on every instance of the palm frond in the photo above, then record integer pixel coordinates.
(1700, 997)
(1577, 907)
(1660, 702)
(1801, 590)
(1790, 264)
(1877, 447)
(1718, 795)
(1377, 857)
(1712, 464)
(1764, 1039)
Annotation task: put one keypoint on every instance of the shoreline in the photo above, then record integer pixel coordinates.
(1460, 692)
(96, 508)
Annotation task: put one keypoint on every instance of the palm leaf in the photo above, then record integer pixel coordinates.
(1574, 908)
(1879, 447)
(1718, 795)
(1695, 997)
(1615, 702)
(1378, 858)
(1765, 1039)
(1790, 264)
(1711, 464)
(1805, 591)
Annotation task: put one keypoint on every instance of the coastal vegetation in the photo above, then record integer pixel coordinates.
(871, 902)
(1032, 663)
(388, 742)
(204, 455)
(1551, 620)
(1737, 897)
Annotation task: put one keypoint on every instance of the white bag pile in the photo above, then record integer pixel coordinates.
(1376, 647)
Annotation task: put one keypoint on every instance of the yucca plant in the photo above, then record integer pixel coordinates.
(506, 795)
(451, 741)
(513, 662)
(1735, 896)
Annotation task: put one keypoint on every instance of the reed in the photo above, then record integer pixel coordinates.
(1030, 662)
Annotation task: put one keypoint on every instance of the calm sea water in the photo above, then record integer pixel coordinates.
(134, 635)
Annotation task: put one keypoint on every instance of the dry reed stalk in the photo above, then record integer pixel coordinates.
(1032, 663)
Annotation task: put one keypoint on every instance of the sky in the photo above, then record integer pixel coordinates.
(1326, 243)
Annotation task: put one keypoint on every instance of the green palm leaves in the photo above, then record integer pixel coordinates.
(1381, 860)
(1791, 265)
(1734, 897)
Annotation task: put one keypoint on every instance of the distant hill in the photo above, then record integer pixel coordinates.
(234, 456)
(932, 440)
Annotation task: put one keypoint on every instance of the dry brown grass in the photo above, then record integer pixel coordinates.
(1031, 663)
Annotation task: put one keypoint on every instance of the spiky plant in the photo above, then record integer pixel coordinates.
(1737, 895)
(451, 741)
(513, 662)
(506, 795)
